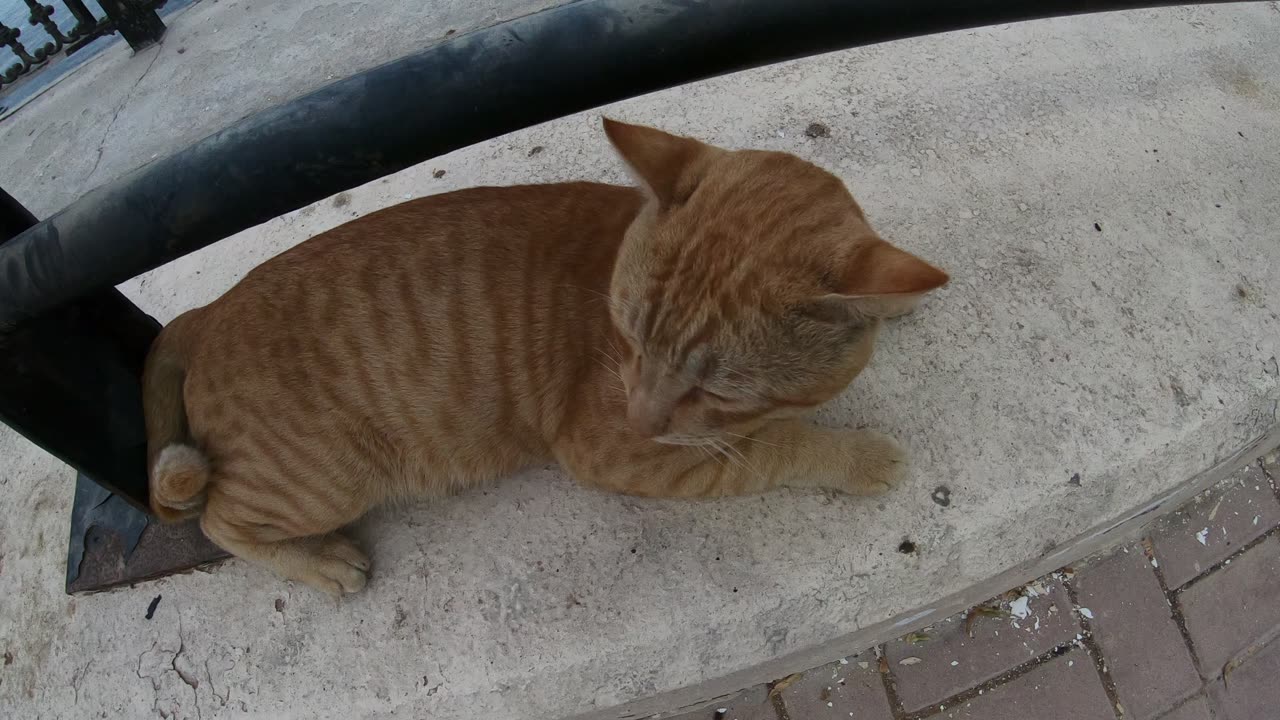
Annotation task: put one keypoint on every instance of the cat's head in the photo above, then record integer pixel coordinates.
(749, 288)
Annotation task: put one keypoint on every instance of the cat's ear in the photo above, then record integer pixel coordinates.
(660, 160)
(878, 280)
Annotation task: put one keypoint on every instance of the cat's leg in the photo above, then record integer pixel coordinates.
(309, 552)
(781, 454)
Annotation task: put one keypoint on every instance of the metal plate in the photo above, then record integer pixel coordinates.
(112, 543)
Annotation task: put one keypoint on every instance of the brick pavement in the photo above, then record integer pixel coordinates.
(1183, 625)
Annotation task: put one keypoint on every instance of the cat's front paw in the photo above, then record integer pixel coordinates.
(875, 463)
(332, 564)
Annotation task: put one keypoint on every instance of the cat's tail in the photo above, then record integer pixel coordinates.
(179, 473)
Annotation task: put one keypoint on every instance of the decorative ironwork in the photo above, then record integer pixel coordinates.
(136, 20)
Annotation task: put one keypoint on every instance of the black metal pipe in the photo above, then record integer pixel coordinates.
(458, 92)
(70, 379)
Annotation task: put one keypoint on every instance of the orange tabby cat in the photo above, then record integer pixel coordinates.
(658, 341)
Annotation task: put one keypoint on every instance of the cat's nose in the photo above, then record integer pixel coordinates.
(645, 416)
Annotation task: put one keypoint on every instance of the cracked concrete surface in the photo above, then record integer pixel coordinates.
(106, 132)
(1103, 191)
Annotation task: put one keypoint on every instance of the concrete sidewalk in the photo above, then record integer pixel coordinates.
(1182, 625)
(1102, 189)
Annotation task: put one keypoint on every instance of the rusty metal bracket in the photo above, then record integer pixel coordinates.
(113, 543)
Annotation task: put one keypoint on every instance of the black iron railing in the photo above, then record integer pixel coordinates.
(136, 20)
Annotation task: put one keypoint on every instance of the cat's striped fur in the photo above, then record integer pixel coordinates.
(658, 341)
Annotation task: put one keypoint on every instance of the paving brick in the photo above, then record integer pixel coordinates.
(839, 692)
(1237, 605)
(1196, 709)
(751, 704)
(1133, 624)
(1228, 516)
(949, 661)
(1066, 688)
(1251, 691)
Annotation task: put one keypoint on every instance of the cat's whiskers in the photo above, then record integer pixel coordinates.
(734, 457)
(610, 300)
(679, 439)
(620, 385)
(748, 437)
(706, 450)
(613, 346)
(612, 370)
(715, 447)
(616, 361)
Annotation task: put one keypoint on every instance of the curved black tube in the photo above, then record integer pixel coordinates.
(461, 91)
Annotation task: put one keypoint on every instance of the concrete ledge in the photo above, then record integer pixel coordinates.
(1070, 380)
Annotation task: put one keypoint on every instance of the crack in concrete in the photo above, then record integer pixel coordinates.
(102, 144)
(155, 700)
(77, 678)
(222, 699)
(186, 679)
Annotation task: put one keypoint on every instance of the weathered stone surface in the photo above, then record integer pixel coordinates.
(1217, 524)
(1066, 688)
(1232, 608)
(1133, 624)
(839, 691)
(944, 660)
